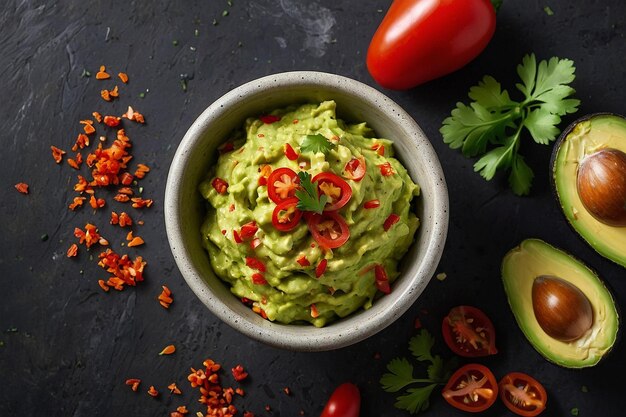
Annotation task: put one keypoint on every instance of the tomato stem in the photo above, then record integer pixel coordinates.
(496, 4)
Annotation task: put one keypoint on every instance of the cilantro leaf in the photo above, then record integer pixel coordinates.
(316, 143)
(416, 400)
(309, 199)
(401, 375)
(493, 120)
(421, 344)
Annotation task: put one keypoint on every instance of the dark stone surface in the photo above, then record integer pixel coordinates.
(67, 348)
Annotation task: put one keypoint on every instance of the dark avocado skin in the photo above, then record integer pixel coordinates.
(554, 173)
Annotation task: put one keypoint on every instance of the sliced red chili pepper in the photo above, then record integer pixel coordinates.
(290, 153)
(355, 169)
(220, 185)
(236, 237)
(286, 215)
(379, 148)
(371, 204)
(382, 282)
(328, 229)
(390, 221)
(282, 184)
(254, 263)
(303, 261)
(321, 268)
(248, 230)
(386, 169)
(258, 279)
(335, 188)
(269, 118)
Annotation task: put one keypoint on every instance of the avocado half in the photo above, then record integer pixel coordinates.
(584, 137)
(534, 258)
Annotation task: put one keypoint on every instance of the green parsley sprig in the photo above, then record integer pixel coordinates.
(493, 119)
(315, 143)
(309, 199)
(400, 374)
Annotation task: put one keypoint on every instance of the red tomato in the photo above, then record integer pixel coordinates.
(468, 332)
(286, 215)
(329, 229)
(336, 189)
(345, 401)
(522, 394)
(282, 184)
(420, 40)
(471, 388)
(355, 169)
(290, 153)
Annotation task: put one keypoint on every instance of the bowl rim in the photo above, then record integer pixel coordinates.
(359, 325)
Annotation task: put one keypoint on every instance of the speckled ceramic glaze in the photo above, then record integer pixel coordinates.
(184, 208)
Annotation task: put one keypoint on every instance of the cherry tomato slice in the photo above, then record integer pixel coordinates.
(345, 401)
(282, 184)
(286, 215)
(522, 394)
(329, 229)
(335, 188)
(468, 332)
(471, 388)
(355, 169)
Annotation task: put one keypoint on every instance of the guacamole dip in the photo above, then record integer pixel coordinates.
(307, 216)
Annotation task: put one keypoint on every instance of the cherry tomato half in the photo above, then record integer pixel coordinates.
(355, 169)
(420, 40)
(468, 332)
(282, 184)
(345, 401)
(522, 394)
(471, 388)
(329, 229)
(335, 188)
(286, 215)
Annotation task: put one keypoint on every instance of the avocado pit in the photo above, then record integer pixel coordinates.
(562, 310)
(601, 183)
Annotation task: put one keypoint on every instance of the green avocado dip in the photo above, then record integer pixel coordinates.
(307, 216)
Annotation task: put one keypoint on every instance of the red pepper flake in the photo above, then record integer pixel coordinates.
(287, 391)
(303, 261)
(220, 185)
(135, 241)
(165, 298)
(22, 187)
(140, 202)
(141, 171)
(248, 414)
(121, 198)
(96, 115)
(174, 389)
(417, 324)
(134, 383)
(125, 271)
(89, 236)
(248, 230)
(231, 208)
(314, 312)
(133, 115)
(269, 119)
(379, 148)
(321, 268)
(290, 153)
(78, 202)
(240, 391)
(386, 169)
(96, 203)
(105, 287)
(112, 121)
(390, 221)
(218, 399)
(182, 410)
(57, 154)
(371, 204)
(72, 251)
(168, 350)
(265, 171)
(81, 142)
(102, 74)
(152, 391)
(126, 178)
(239, 373)
(268, 408)
(258, 279)
(123, 77)
(254, 263)
(382, 282)
(88, 126)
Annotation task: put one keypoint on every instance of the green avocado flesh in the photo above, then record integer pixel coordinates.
(293, 293)
(585, 138)
(534, 258)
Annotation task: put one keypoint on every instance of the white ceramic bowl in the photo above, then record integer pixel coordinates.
(184, 209)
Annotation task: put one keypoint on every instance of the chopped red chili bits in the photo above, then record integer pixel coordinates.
(22, 187)
(239, 373)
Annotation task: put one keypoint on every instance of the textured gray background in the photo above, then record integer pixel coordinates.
(67, 348)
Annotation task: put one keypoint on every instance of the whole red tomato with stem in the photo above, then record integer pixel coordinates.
(522, 394)
(471, 388)
(420, 40)
(345, 401)
(468, 332)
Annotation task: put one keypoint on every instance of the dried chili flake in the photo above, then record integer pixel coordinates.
(165, 298)
(102, 74)
(248, 414)
(105, 287)
(88, 126)
(72, 251)
(174, 389)
(141, 170)
(89, 236)
(141, 203)
(314, 312)
(125, 271)
(182, 409)
(96, 203)
(57, 154)
(77, 202)
(239, 373)
(133, 115)
(123, 77)
(121, 198)
(133, 383)
(126, 178)
(240, 391)
(168, 350)
(135, 241)
(81, 142)
(76, 162)
(287, 391)
(96, 115)
(152, 391)
(112, 121)
(22, 187)
(125, 220)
